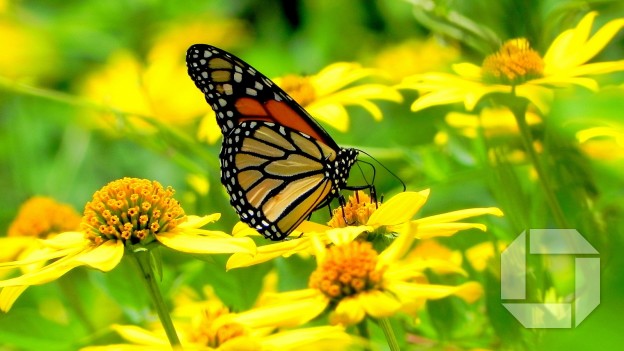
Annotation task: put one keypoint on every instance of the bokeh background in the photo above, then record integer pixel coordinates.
(93, 91)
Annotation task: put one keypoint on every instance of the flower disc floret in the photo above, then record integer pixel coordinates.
(132, 210)
(347, 270)
(514, 63)
(355, 212)
(42, 216)
(300, 88)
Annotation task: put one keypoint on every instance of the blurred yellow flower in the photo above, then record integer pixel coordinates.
(159, 88)
(603, 142)
(415, 56)
(492, 121)
(326, 94)
(481, 255)
(520, 70)
(28, 53)
(38, 218)
(353, 281)
(208, 325)
(362, 216)
(126, 214)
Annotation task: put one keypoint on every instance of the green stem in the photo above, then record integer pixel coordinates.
(384, 323)
(142, 258)
(519, 112)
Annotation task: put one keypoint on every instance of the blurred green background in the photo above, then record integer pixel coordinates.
(93, 91)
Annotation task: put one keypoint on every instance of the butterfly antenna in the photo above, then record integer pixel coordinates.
(384, 167)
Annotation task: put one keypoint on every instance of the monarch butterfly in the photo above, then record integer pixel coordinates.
(277, 163)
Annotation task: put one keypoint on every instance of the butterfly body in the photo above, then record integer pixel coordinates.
(277, 163)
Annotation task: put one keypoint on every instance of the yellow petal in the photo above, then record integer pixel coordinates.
(315, 338)
(333, 114)
(242, 229)
(468, 70)
(347, 312)
(103, 257)
(66, 240)
(399, 246)
(540, 96)
(12, 246)
(199, 221)
(459, 215)
(286, 312)
(8, 295)
(341, 236)
(268, 252)
(206, 244)
(469, 291)
(399, 209)
(428, 231)
(208, 129)
(598, 41)
(139, 336)
(378, 303)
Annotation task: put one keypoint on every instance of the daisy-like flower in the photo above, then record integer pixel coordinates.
(517, 68)
(39, 217)
(325, 94)
(362, 215)
(129, 214)
(209, 326)
(354, 281)
(159, 87)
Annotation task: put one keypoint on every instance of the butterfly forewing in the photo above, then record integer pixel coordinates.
(237, 92)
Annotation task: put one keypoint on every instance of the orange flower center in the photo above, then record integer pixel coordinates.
(210, 333)
(514, 63)
(41, 216)
(299, 88)
(356, 211)
(347, 270)
(131, 209)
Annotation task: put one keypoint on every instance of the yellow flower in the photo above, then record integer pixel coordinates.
(481, 255)
(38, 218)
(32, 54)
(518, 69)
(208, 325)
(159, 88)
(325, 95)
(126, 214)
(603, 142)
(415, 56)
(494, 122)
(353, 281)
(362, 216)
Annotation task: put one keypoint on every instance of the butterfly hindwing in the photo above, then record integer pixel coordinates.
(275, 176)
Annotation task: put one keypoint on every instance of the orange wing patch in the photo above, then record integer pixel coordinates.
(286, 116)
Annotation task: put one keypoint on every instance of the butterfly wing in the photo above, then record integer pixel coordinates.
(277, 163)
(275, 176)
(237, 93)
